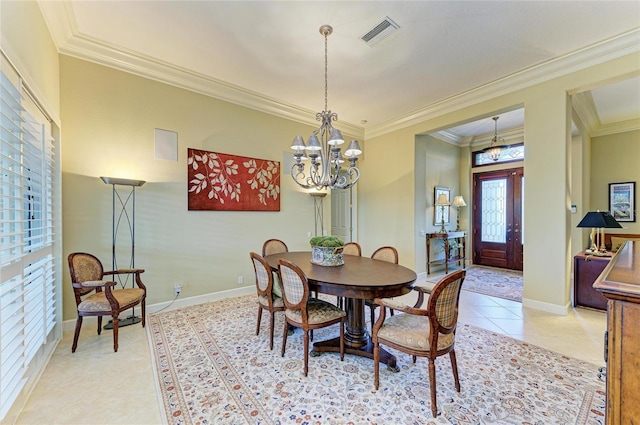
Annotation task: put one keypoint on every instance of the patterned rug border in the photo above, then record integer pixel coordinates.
(491, 291)
(252, 411)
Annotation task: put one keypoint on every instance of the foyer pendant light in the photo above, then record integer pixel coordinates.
(497, 146)
(322, 148)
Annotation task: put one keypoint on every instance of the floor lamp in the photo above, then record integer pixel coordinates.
(318, 206)
(123, 210)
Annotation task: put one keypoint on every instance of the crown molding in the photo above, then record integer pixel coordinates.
(72, 43)
(618, 127)
(585, 108)
(61, 22)
(511, 136)
(587, 57)
(447, 137)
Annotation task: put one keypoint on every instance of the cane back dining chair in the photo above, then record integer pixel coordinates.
(305, 312)
(426, 333)
(390, 255)
(273, 246)
(96, 296)
(267, 300)
(352, 248)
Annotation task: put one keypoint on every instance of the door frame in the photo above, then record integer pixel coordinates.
(514, 250)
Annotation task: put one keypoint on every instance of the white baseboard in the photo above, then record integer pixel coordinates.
(69, 325)
(548, 307)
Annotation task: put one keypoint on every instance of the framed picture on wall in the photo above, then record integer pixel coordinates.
(441, 212)
(622, 201)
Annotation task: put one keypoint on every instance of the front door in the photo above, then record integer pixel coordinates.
(497, 218)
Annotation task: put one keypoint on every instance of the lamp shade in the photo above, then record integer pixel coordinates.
(599, 219)
(353, 149)
(442, 200)
(458, 201)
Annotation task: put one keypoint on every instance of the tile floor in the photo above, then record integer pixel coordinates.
(97, 386)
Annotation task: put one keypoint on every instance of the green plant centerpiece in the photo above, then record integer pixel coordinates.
(327, 250)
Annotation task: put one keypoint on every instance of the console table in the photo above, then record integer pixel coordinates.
(458, 254)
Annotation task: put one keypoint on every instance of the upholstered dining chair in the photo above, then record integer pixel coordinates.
(305, 312)
(267, 300)
(426, 333)
(96, 296)
(274, 246)
(390, 255)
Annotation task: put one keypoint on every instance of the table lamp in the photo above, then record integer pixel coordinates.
(597, 221)
(458, 202)
(442, 201)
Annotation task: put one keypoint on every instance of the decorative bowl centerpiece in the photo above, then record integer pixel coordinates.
(327, 251)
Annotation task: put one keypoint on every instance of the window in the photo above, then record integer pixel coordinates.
(511, 154)
(27, 280)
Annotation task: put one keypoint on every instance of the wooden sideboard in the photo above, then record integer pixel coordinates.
(458, 253)
(586, 269)
(620, 283)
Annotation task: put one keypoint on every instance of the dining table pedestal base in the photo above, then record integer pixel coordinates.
(333, 346)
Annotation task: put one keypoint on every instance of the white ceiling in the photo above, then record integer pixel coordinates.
(269, 54)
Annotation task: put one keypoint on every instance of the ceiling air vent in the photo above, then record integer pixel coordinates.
(380, 31)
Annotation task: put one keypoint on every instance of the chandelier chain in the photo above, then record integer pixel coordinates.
(326, 72)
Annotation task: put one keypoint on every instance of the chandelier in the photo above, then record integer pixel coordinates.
(322, 149)
(497, 146)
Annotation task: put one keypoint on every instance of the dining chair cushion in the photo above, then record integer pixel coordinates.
(411, 331)
(277, 301)
(98, 301)
(319, 311)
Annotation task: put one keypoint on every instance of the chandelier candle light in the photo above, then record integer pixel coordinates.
(497, 146)
(323, 149)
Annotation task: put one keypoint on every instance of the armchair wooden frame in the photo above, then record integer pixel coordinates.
(296, 299)
(390, 255)
(442, 304)
(87, 276)
(266, 299)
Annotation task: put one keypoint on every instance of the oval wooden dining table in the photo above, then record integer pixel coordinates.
(359, 279)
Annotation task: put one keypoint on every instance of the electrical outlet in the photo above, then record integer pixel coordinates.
(240, 280)
(177, 289)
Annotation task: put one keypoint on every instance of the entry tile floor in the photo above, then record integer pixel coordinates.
(97, 386)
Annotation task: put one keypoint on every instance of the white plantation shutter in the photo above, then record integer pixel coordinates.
(27, 279)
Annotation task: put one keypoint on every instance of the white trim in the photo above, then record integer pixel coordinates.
(71, 42)
(69, 325)
(584, 58)
(548, 307)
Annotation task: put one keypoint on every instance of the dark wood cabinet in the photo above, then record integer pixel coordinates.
(620, 283)
(586, 269)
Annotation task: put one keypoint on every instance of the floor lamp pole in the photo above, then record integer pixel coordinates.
(123, 214)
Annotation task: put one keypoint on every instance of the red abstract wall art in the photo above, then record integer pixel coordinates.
(223, 182)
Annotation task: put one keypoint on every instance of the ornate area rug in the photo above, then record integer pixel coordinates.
(211, 368)
(496, 282)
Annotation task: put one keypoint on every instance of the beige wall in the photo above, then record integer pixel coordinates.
(26, 40)
(109, 118)
(547, 184)
(615, 159)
